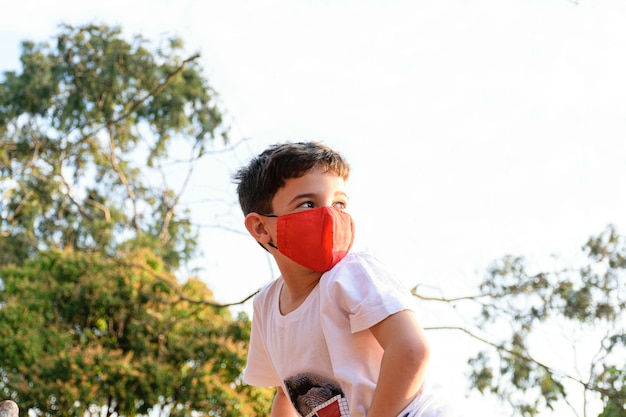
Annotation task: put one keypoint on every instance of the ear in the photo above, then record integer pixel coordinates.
(255, 224)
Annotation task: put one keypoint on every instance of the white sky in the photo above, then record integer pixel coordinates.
(474, 128)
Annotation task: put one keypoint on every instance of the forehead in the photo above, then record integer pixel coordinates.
(314, 183)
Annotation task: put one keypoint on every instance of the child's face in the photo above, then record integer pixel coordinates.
(313, 189)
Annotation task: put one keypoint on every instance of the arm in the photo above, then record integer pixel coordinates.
(403, 366)
(282, 407)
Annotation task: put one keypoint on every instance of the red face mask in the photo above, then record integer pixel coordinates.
(316, 239)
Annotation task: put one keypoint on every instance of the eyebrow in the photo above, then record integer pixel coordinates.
(314, 195)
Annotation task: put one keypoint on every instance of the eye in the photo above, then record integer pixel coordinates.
(341, 205)
(307, 204)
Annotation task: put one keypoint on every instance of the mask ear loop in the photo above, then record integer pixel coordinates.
(269, 243)
(267, 215)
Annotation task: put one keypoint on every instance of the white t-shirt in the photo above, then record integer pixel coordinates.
(326, 333)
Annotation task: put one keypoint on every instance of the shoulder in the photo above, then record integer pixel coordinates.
(362, 276)
(365, 290)
(267, 294)
(360, 266)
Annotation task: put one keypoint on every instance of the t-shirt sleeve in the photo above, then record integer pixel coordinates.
(259, 370)
(368, 291)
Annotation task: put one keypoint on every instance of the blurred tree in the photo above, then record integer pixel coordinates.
(82, 334)
(85, 130)
(91, 317)
(519, 308)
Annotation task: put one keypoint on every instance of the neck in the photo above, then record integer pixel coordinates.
(298, 285)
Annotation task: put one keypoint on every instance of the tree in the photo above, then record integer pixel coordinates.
(82, 333)
(85, 129)
(91, 316)
(586, 301)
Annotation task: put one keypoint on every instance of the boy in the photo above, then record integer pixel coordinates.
(335, 333)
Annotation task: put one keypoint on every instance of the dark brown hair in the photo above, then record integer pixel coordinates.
(258, 182)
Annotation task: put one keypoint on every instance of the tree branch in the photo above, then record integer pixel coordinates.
(68, 193)
(105, 209)
(138, 103)
(528, 358)
(179, 293)
(122, 177)
(444, 299)
(169, 213)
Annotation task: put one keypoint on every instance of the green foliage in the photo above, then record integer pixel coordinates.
(613, 379)
(84, 125)
(590, 297)
(92, 320)
(82, 332)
